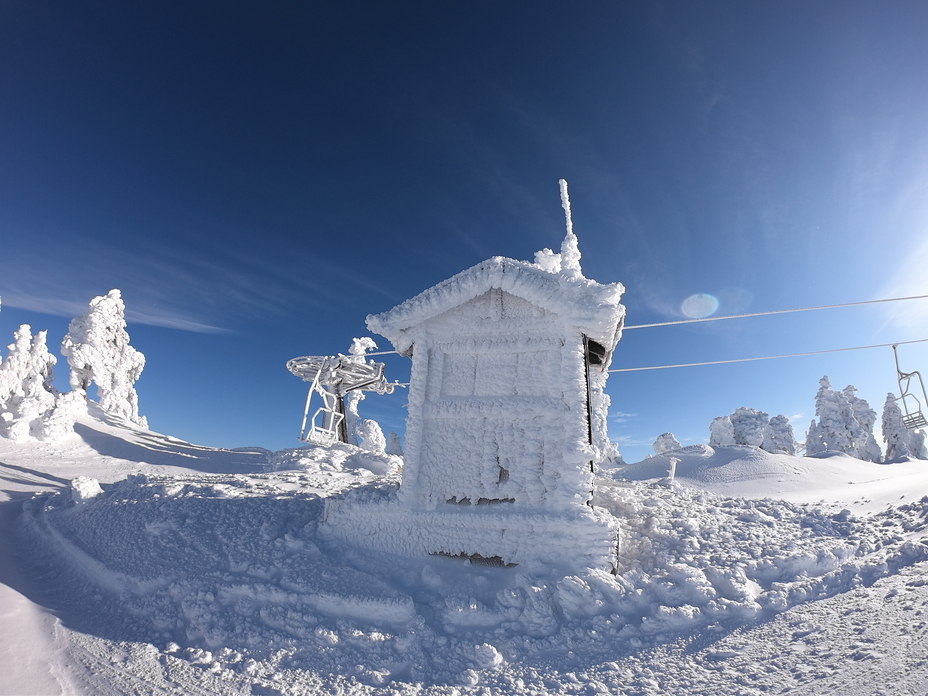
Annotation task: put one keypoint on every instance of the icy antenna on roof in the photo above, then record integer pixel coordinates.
(570, 250)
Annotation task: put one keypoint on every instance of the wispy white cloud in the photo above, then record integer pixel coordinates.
(189, 290)
(68, 307)
(620, 417)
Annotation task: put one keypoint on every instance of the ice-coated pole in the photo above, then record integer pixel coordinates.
(565, 204)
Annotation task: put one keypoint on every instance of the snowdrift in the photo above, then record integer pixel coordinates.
(219, 582)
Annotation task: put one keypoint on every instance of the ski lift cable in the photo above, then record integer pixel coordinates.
(739, 316)
(767, 357)
(777, 311)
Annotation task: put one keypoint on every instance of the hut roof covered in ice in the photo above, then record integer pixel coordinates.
(591, 308)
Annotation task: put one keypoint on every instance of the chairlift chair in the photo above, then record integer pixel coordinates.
(333, 376)
(912, 418)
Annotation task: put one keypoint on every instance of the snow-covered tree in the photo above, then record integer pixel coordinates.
(98, 351)
(666, 443)
(895, 434)
(30, 406)
(919, 444)
(394, 445)
(900, 441)
(750, 426)
(25, 383)
(721, 432)
(831, 432)
(845, 424)
(780, 437)
(865, 418)
(371, 436)
(359, 348)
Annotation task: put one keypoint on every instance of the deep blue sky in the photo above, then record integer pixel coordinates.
(257, 178)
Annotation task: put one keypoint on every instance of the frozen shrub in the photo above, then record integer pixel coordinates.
(371, 436)
(59, 422)
(721, 432)
(750, 426)
(30, 406)
(666, 443)
(780, 437)
(394, 445)
(97, 348)
(919, 444)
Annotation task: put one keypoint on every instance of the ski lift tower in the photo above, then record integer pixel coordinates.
(331, 377)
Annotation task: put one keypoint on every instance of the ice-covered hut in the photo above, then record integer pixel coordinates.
(507, 415)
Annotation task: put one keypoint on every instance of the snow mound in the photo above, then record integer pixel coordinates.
(338, 458)
(85, 489)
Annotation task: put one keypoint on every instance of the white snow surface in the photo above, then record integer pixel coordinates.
(200, 571)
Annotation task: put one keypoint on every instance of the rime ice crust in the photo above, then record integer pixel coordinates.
(582, 304)
(505, 421)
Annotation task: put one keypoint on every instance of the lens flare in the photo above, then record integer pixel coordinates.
(699, 306)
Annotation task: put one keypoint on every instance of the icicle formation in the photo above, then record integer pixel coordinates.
(97, 348)
(570, 249)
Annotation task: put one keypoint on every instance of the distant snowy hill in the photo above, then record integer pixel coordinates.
(750, 472)
(198, 571)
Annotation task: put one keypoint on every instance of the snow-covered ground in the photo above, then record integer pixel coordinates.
(198, 571)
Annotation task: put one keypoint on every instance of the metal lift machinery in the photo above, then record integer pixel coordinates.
(912, 416)
(333, 376)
